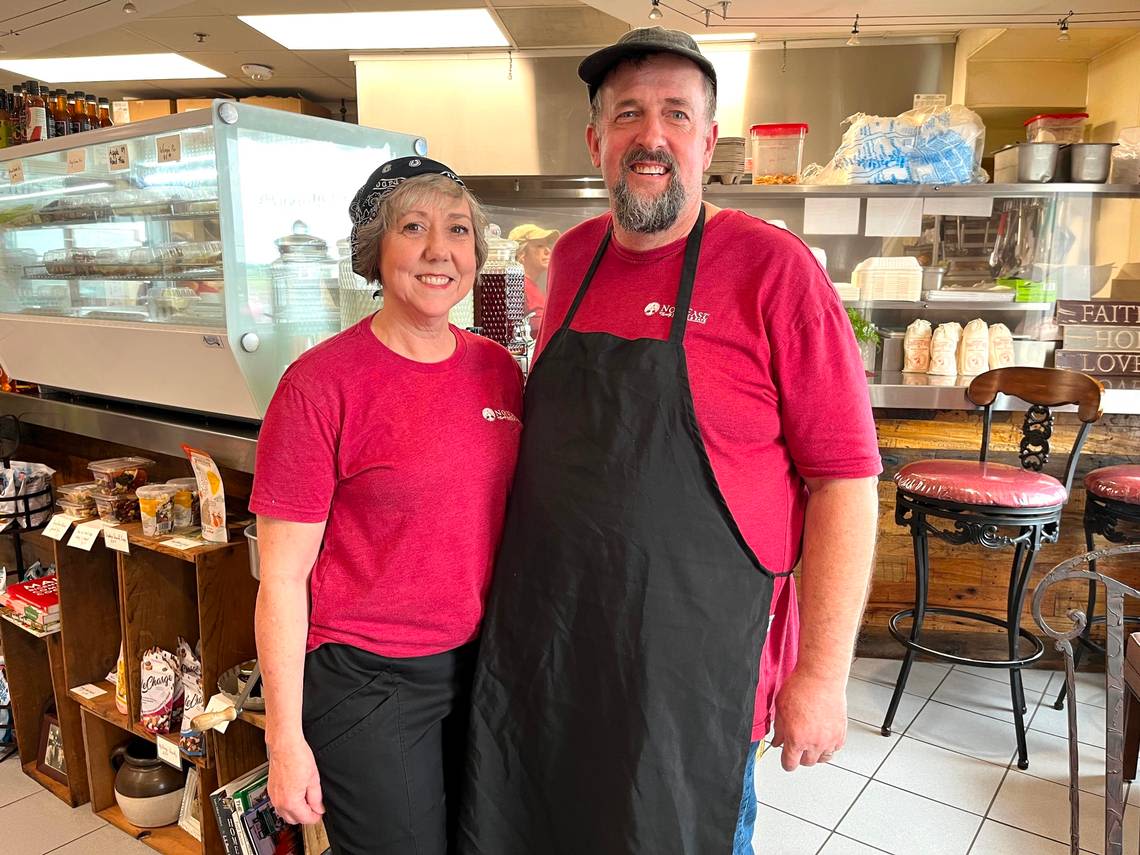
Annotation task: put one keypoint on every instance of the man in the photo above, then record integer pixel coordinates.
(696, 425)
(535, 244)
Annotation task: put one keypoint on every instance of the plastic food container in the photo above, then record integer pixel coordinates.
(70, 262)
(117, 508)
(1056, 127)
(77, 510)
(777, 153)
(78, 493)
(186, 512)
(888, 278)
(156, 508)
(120, 474)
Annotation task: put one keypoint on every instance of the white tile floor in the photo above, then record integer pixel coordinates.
(944, 783)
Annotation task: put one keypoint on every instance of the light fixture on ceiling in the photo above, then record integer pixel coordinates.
(854, 40)
(97, 69)
(256, 71)
(714, 38)
(655, 10)
(130, 8)
(1063, 26)
(434, 28)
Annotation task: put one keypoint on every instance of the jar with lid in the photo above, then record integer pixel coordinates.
(357, 297)
(305, 285)
(500, 297)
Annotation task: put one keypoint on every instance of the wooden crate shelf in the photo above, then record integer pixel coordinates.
(169, 839)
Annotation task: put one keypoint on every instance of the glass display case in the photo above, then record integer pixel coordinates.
(183, 261)
(947, 254)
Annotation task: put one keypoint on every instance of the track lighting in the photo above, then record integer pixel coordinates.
(854, 40)
(1063, 26)
(655, 11)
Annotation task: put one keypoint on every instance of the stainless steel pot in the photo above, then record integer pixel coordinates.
(1090, 162)
(1029, 163)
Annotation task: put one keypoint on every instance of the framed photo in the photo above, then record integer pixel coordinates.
(190, 814)
(50, 759)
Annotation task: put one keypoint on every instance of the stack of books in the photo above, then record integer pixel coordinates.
(35, 603)
(247, 821)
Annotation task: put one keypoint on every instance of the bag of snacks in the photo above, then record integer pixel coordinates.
(190, 667)
(944, 350)
(1001, 346)
(211, 495)
(23, 479)
(161, 691)
(916, 347)
(974, 350)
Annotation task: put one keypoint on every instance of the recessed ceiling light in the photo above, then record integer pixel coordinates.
(94, 69)
(437, 28)
(713, 38)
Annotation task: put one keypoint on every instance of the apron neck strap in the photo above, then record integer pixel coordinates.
(684, 291)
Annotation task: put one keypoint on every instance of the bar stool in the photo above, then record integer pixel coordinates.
(981, 499)
(1112, 510)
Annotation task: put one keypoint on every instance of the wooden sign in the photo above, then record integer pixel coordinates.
(1109, 364)
(1121, 382)
(1098, 312)
(1102, 338)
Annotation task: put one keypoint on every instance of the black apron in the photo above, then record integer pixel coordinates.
(613, 698)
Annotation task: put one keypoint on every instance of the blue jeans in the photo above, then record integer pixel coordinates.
(746, 822)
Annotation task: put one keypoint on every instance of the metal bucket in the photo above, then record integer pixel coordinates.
(1090, 162)
(254, 557)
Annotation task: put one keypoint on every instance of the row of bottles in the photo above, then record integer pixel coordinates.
(31, 112)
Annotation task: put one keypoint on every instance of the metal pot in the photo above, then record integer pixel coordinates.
(148, 791)
(1090, 162)
(1028, 163)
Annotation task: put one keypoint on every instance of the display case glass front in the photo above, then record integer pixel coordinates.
(184, 261)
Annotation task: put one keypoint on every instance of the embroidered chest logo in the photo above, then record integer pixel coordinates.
(667, 311)
(500, 416)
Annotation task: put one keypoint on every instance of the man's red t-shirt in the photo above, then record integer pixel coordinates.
(410, 464)
(776, 375)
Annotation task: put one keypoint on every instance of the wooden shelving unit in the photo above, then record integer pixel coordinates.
(145, 598)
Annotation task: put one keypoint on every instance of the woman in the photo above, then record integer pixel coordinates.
(383, 466)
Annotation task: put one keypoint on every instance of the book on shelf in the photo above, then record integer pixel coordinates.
(246, 820)
(40, 594)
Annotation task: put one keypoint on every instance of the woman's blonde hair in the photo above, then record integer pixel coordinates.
(411, 194)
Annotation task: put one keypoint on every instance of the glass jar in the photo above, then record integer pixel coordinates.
(358, 298)
(305, 288)
(500, 299)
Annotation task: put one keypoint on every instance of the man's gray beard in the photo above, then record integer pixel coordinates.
(647, 215)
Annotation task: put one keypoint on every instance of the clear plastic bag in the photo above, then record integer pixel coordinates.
(932, 146)
(1126, 158)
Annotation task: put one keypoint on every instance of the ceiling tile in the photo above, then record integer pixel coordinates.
(222, 34)
(561, 26)
(522, 4)
(108, 43)
(412, 5)
(281, 61)
(189, 10)
(286, 7)
(334, 62)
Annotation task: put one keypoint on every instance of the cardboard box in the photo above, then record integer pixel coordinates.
(1126, 284)
(125, 112)
(290, 105)
(185, 105)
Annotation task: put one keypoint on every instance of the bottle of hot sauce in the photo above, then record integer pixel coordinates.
(35, 114)
(59, 111)
(16, 110)
(105, 113)
(81, 116)
(93, 112)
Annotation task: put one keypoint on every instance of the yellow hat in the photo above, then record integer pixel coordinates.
(529, 231)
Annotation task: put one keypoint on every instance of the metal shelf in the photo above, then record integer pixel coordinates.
(111, 219)
(954, 305)
(211, 274)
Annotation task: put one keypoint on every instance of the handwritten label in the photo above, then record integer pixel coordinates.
(58, 526)
(83, 537)
(169, 148)
(168, 752)
(183, 543)
(116, 539)
(16, 172)
(77, 160)
(118, 157)
(88, 690)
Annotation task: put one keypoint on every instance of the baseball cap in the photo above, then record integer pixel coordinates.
(529, 231)
(638, 43)
(385, 179)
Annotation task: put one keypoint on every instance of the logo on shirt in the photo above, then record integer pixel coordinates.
(667, 311)
(500, 416)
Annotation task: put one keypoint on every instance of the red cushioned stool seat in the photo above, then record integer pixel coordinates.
(973, 483)
(1118, 483)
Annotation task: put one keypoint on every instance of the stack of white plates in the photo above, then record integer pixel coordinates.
(728, 157)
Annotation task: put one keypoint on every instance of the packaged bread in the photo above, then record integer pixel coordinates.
(1001, 346)
(974, 349)
(916, 347)
(944, 350)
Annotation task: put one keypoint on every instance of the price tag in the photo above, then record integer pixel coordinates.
(116, 539)
(169, 148)
(168, 752)
(89, 691)
(58, 526)
(16, 171)
(83, 537)
(77, 160)
(118, 157)
(183, 543)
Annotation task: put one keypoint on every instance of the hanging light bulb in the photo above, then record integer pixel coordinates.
(129, 8)
(655, 11)
(1063, 26)
(854, 40)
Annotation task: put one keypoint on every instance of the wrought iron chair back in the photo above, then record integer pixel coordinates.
(1042, 389)
(1078, 568)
